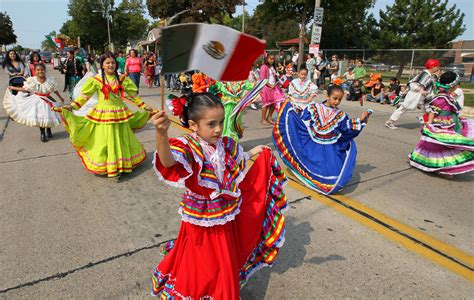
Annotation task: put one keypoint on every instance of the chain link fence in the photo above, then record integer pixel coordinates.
(401, 63)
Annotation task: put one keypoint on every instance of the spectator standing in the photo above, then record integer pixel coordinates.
(15, 68)
(310, 65)
(150, 64)
(121, 63)
(73, 72)
(133, 67)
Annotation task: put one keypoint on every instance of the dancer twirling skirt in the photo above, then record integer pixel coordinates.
(32, 106)
(317, 144)
(232, 222)
(232, 93)
(447, 142)
(103, 138)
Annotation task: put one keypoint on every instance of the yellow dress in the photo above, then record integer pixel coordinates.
(103, 138)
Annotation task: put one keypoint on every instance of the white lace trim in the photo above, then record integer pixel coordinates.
(210, 223)
(211, 185)
(179, 159)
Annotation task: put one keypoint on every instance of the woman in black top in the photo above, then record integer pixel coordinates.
(72, 69)
(15, 69)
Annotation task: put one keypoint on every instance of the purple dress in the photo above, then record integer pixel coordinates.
(447, 144)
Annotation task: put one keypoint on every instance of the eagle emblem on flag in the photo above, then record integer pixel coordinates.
(215, 49)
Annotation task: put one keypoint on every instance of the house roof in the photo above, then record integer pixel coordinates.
(292, 42)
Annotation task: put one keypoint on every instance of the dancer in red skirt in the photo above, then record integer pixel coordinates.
(232, 222)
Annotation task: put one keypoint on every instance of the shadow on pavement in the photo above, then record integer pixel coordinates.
(356, 178)
(140, 169)
(409, 125)
(292, 255)
(252, 143)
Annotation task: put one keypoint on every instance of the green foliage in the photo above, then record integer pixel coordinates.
(421, 24)
(279, 19)
(7, 35)
(211, 10)
(129, 23)
(89, 21)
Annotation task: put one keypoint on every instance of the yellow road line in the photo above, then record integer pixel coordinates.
(437, 251)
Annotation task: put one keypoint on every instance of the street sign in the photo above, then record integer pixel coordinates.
(316, 35)
(314, 48)
(318, 15)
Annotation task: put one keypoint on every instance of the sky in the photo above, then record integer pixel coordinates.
(33, 19)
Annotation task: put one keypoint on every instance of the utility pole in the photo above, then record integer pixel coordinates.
(243, 16)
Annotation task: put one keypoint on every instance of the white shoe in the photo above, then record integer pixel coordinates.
(390, 125)
(420, 119)
(253, 106)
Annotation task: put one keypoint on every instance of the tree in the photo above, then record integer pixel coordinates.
(129, 23)
(340, 29)
(199, 10)
(6, 28)
(423, 24)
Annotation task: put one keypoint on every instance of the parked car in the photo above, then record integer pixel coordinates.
(382, 67)
(46, 56)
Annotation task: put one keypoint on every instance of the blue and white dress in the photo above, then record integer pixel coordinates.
(300, 92)
(317, 145)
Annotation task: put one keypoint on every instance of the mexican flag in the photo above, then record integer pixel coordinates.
(55, 41)
(220, 52)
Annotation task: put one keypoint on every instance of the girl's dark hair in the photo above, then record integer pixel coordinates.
(103, 57)
(265, 61)
(447, 77)
(71, 52)
(303, 69)
(197, 105)
(33, 54)
(40, 65)
(8, 62)
(335, 88)
(311, 55)
(134, 51)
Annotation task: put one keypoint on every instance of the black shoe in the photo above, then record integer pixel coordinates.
(49, 134)
(43, 138)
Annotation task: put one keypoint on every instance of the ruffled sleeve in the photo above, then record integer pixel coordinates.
(350, 128)
(236, 151)
(313, 89)
(131, 90)
(182, 170)
(30, 84)
(88, 89)
(264, 72)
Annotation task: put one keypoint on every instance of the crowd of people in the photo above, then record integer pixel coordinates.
(232, 218)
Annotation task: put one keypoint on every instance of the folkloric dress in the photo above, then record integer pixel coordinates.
(317, 144)
(447, 144)
(93, 100)
(104, 138)
(201, 82)
(299, 92)
(231, 93)
(33, 109)
(232, 222)
(272, 92)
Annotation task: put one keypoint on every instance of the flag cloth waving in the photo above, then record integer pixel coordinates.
(220, 52)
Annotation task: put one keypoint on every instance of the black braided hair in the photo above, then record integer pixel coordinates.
(447, 77)
(197, 104)
(335, 88)
(103, 57)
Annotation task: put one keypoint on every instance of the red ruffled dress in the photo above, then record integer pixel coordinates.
(232, 222)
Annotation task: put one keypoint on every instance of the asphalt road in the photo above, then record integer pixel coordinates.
(394, 232)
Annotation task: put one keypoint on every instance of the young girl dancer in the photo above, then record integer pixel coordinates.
(271, 94)
(317, 144)
(232, 222)
(447, 142)
(33, 106)
(103, 138)
(302, 91)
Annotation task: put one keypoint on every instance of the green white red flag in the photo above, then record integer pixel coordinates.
(220, 52)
